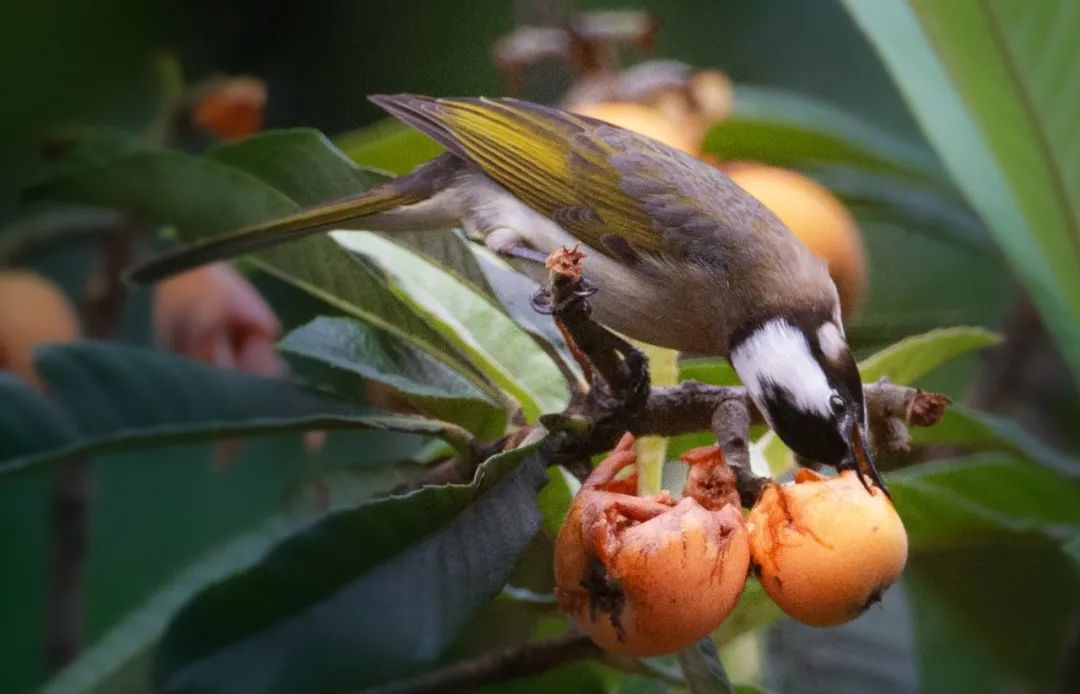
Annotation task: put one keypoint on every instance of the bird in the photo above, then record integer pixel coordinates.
(681, 256)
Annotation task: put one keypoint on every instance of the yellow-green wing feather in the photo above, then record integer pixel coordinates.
(553, 161)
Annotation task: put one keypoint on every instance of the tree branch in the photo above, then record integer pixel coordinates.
(499, 666)
(71, 493)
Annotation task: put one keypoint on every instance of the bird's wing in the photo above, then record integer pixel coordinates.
(567, 167)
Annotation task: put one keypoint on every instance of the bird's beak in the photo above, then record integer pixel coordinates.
(864, 465)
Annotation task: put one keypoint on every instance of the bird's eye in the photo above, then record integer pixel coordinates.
(837, 403)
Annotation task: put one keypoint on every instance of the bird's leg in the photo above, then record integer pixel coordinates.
(511, 243)
(731, 425)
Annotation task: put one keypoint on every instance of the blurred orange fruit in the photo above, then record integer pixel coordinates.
(646, 121)
(33, 312)
(816, 217)
(214, 315)
(232, 108)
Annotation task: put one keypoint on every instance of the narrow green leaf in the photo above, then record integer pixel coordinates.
(308, 168)
(301, 163)
(979, 530)
(122, 660)
(30, 421)
(912, 358)
(86, 147)
(786, 128)
(981, 431)
(555, 498)
(323, 489)
(984, 80)
(362, 596)
(873, 172)
(489, 337)
(979, 500)
(107, 396)
(389, 145)
(913, 205)
(1072, 550)
(347, 348)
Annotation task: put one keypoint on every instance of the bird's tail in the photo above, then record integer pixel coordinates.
(406, 190)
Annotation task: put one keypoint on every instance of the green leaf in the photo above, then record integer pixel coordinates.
(205, 196)
(711, 370)
(30, 421)
(307, 167)
(121, 661)
(980, 431)
(107, 396)
(985, 81)
(912, 358)
(555, 498)
(84, 147)
(364, 595)
(301, 163)
(491, 339)
(972, 501)
(872, 171)
(1072, 550)
(987, 573)
(989, 623)
(878, 197)
(513, 291)
(321, 489)
(786, 128)
(349, 348)
(389, 145)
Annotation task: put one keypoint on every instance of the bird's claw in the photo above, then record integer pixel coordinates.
(543, 303)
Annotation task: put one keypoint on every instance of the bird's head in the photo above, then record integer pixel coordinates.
(801, 375)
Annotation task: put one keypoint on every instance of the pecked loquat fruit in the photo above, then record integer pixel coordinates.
(649, 575)
(824, 548)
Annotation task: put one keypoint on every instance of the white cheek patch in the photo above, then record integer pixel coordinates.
(778, 354)
(832, 342)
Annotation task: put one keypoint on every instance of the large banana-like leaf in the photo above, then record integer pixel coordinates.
(992, 83)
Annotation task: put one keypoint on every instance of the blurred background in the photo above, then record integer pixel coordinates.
(914, 263)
